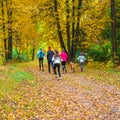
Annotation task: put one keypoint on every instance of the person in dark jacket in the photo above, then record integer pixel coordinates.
(50, 54)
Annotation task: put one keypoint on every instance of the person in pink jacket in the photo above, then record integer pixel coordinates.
(64, 58)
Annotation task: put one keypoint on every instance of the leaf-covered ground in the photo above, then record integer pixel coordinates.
(91, 95)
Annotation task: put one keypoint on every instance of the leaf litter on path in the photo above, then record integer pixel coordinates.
(75, 97)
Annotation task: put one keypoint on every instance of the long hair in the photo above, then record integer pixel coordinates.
(56, 53)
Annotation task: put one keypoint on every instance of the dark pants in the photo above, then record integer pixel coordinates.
(57, 66)
(41, 66)
(82, 66)
(50, 63)
(64, 66)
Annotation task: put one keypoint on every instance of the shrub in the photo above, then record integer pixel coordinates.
(22, 57)
(100, 53)
(119, 53)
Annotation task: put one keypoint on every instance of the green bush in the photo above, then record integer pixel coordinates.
(119, 54)
(22, 57)
(100, 53)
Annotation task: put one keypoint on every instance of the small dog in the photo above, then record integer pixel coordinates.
(72, 66)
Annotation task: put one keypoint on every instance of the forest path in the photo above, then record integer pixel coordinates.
(77, 96)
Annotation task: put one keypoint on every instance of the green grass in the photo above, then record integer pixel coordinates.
(21, 76)
(18, 74)
(10, 81)
(12, 77)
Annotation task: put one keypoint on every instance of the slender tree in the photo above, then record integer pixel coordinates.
(73, 30)
(77, 33)
(68, 26)
(113, 30)
(4, 28)
(9, 14)
(58, 24)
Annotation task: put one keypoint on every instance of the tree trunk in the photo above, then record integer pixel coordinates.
(113, 24)
(78, 24)
(10, 37)
(68, 27)
(33, 54)
(4, 29)
(58, 25)
(73, 31)
(9, 13)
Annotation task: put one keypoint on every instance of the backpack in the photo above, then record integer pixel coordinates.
(40, 54)
(81, 59)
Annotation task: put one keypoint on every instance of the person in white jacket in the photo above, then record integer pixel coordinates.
(81, 59)
(56, 63)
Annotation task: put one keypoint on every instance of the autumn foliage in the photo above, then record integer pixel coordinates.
(75, 25)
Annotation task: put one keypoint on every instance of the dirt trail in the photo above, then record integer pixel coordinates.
(75, 97)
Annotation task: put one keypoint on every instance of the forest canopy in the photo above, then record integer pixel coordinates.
(91, 26)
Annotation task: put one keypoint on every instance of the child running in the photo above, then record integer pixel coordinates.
(81, 59)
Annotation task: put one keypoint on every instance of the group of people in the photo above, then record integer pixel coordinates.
(55, 59)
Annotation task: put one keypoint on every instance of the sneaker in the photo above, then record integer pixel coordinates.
(56, 76)
(82, 69)
(60, 78)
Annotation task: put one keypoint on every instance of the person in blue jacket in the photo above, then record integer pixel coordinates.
(50, 54)
(40, 56)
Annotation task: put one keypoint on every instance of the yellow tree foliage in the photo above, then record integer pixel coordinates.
(34, 22)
